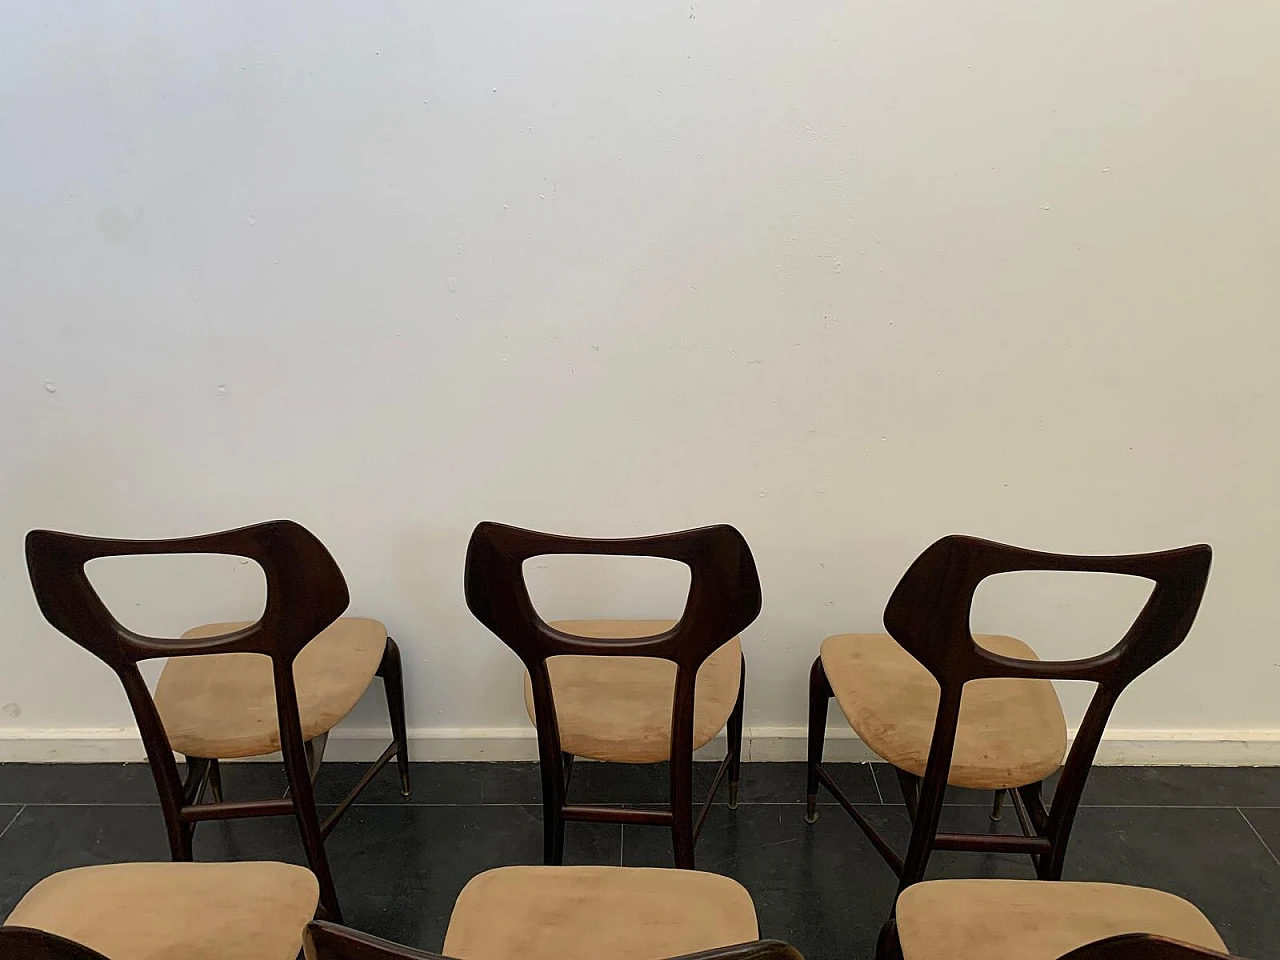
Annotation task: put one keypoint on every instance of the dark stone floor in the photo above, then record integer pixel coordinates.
(1210, 835)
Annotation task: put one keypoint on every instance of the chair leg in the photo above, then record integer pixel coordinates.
(819, 698)
(298, 770)
(997, 806)
(314, 749)
(888, 947)
(552, 832)
(735, 739)
(393, 682)
(682, 828)
(215, 780)
(196, 779)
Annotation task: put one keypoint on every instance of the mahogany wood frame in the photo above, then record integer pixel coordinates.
(928, 615)
(26, 943)
(724, 598)
(1143, 946)
(306, 592)
(329, 941)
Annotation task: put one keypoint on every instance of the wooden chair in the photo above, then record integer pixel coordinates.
(236, 689)
(1045, 920)
(905, 695)
(1143, 946)
(582, 913)
(23, 943)
(601, 689)
(161, 911)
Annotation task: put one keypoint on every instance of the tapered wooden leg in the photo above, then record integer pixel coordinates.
(735, 739)
(393, 683)
(552, 833)
(554, 779)
(888, 946)
(997, 806)
(819, 698)
(215, 780)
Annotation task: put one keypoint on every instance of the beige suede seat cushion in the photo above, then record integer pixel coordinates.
(224, 705)
(1011, 732)
(163, 911)
(619, 708)
(1036, 919)
(586, 913)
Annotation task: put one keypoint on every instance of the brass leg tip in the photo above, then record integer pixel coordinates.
(811, 813)
(733, 795)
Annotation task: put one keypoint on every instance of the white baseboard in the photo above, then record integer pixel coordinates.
(1212, 748)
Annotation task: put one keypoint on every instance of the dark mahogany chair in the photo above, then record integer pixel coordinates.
(23, 943)
(946, 707)
(638, 691)
(329, 941)
(1142, 946)
(236, 689)
(155, 911)
(1044, 920)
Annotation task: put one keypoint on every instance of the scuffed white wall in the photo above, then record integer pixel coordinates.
(847, 275)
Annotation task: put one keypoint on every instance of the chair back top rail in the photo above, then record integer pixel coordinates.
(330, 941)
(928, 613)
(724, 591)
(306, 591)
(1143, 946)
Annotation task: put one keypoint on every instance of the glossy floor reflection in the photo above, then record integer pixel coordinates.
(1208, 835)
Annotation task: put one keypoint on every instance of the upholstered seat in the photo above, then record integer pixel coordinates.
(619, 708)
(1011, 731)
(586, 913)
(1036, 919)
(224, 705)
(162, 911)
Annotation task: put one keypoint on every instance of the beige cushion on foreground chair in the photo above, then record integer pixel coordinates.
(224, 706)
(619, 708)
(1036, 919)
(1011, 732)
(586, 913)
(166, 911)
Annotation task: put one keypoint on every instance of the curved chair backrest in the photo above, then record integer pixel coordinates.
(23, 943)
(1142, 946)
(305, 593)
(329, 941)
(724, 591)
(724, 598)
(928, 615)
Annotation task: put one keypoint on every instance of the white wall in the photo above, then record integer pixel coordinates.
(847, 275)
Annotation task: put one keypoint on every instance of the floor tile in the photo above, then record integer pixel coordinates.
(1266, 823)
(821, 887)
(1138, 786)
(886, 777)
(788, 784)
(1183, 786)
(8, 814)
(1212, 857)
(77, 783)
(434, 783)
(398, 870)
(633, 783)
(43, 840)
